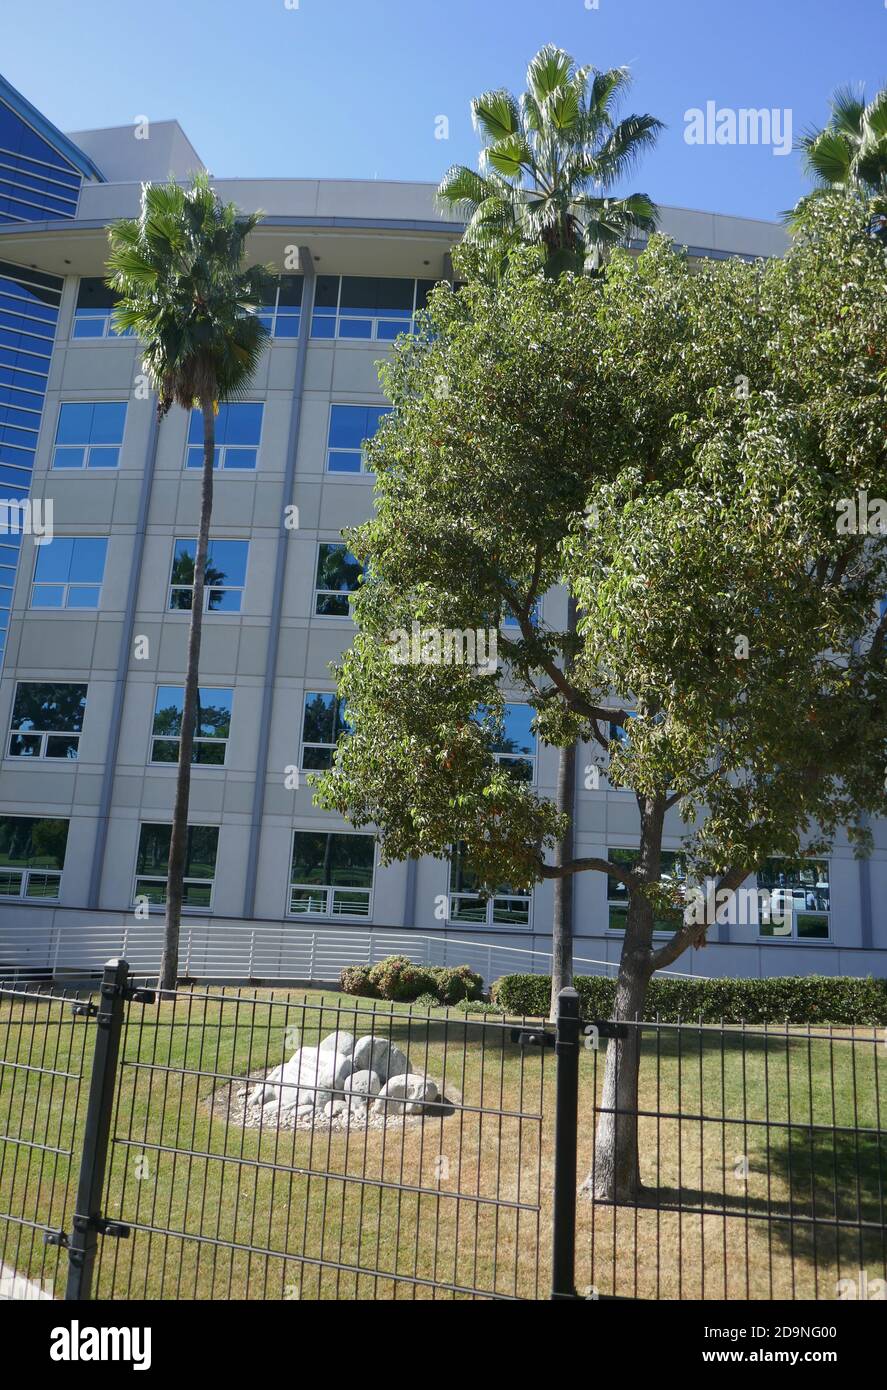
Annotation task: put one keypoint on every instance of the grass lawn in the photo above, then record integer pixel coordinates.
(738, 1132)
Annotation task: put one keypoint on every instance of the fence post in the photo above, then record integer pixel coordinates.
(88, 1221)
(566, 1133)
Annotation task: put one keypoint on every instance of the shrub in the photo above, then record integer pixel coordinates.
(401, 980)
(355, 979)
(454, 983)
(786, 999)
(479, 1006)
(427, 1001)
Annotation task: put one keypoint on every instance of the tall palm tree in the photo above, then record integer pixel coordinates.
(178, 271)
(849, 155)
(552, 158)
(545, 180)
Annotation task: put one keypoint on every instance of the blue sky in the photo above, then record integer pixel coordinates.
(352, 88)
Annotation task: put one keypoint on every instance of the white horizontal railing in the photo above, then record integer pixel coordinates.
(230, 951)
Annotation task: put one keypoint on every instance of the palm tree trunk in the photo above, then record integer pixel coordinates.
(169, 965)
(562, 914)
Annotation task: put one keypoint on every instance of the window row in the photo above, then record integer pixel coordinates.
(332, 875)
(369, 307)
(47, 722)
(89, 434)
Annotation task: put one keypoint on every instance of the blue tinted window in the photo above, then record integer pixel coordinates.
(225, 575)
(69, 572)
(89, 434)
(350, 426)
(238, 431)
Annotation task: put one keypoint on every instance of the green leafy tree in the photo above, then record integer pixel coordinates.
(551, 161)
(183, 289)
(671, 442)
(545, 183)
(849, 155)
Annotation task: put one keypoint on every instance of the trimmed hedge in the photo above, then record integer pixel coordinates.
(400, 979)
(785, 999)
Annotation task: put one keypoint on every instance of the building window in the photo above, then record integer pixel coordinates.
(211, 731)
(95, 307)
(238, 433)
(514, 743)
(224, 576)
(47, 720)
(351, 427)
(152, 865)
(368, 307)
(338, 575)
(282, 315)
(800, 898)
(89, 434)
(617, 894)
(32, 856)
(510, 621)
(323, 724)
(332, 874)
(69, 572)
(505, 906)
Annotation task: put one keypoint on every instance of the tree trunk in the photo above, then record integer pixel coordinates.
(178, 840)
(616, 1175)
(562, 913)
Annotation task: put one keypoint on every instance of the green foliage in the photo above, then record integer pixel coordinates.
(355, 979)
(548, 164)
(178, 269)
(400, 979)
(849, 156)
(673, 442)
(800, 999)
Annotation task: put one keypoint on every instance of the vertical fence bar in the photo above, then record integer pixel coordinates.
(566, 1133)
(87, 1219)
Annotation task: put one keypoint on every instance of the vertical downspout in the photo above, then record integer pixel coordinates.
(255, 829)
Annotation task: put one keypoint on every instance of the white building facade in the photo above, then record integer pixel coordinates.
(94, 623)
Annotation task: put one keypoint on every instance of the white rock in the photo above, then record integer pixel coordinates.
(264, 1091)
(363, 1083)
(343, 1043)
(311, 1078)
(409, 1093)
(373, 1053)
(335, 1107)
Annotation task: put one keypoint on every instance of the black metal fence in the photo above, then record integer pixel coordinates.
(159, 1142)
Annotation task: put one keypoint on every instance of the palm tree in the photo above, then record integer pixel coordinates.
(551, 159)
(850, 154)
(178, 271)
(545, 182)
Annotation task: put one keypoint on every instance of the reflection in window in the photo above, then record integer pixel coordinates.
(47, 719)
(69, 572)
(324, 722)
(505, 906)
(514, 742)
(152, 864)
(338, 575)
(32, 856)
(800, 898)
(238, 432)
(671, 871)
(331, 874)
(224, 576)
(211, 731)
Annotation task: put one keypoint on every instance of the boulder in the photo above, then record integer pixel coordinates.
(373, 1053)
(264, 1090)
(343, 1043)
(309, 1078)
(363, 1083)
(335, 1107)
(409, 1093)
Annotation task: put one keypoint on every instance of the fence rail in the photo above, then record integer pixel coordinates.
(218, 951)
